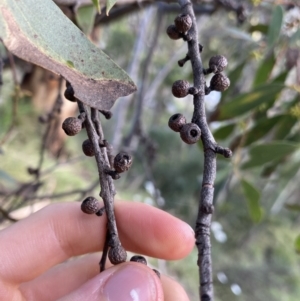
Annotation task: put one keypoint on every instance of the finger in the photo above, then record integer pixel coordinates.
(61, 279)
(49, 286)
(127, 281)
(173, 291)
(61, 231)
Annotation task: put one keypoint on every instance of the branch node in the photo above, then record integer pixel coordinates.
(207, 208)
(207, 90)
(193, 91)
(224, 151)
(115, 175)
(106, 114)
(100, 211)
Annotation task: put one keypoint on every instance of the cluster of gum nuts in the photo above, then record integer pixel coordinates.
(92, 206)
(190, 133)
(73, 125)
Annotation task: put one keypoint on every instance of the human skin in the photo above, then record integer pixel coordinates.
(39, 255)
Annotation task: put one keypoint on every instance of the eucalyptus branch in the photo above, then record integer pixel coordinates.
(190, 133)
(116, 252)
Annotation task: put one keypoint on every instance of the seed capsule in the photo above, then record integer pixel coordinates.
(88, 148)
(173, 33)
(219, 82)
(190, 133)
(218, 63)
(139, 258)
(117, 254)
(90, 205)
(180, 88)
(72, 126)
(176, 122)
(183, 23)
(69, 93)
(122, 162)
(156, 272)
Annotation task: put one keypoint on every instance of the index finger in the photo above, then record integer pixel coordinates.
(60, 231)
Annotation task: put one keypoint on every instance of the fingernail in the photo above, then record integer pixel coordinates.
(130, 283)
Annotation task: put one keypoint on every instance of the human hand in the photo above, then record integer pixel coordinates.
(34, 254)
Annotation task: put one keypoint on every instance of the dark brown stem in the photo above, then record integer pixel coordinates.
(105, 252)
(203, 223)
(95, 134)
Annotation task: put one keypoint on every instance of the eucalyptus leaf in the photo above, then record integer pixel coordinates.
(293, 207)
(109, 5)
(267, 152)
(234, 76)
(85, 17)
(275, 25)
(260, 129)
(297, 244)
(97, 5)
(264, 70)
(263, 28)
(252, 196)
(224, 131)
(260, 96)
(38, 31)
(284, 126)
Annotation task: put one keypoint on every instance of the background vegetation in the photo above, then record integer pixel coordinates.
(256, 220)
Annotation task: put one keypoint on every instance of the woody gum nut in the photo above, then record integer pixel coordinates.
(88, 148)
(72, 126)
(180, 88)
(139, 258)
(183, 23)
(117, 254)
(176, 122)
(219, 82)
(156, 272)
(69, 93)
(218, 63)
(173, 33)
(190, 133)
(90, 205)
(122, 162)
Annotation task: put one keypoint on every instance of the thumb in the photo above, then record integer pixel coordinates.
(129, 281)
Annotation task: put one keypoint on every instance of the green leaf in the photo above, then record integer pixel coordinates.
(284, 126)
(85, 16)
(264, 70)
(262, 112)
(253, 201)
(275, 25)
(267, 152)
(260, 129)
(263, 28)
(224, 131)
(243, 103)
(38, 31)
(234, 75)
(297, 244)
(97, 5)
(293, 207)
(109, 5)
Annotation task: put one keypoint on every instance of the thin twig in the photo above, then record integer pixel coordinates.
(203, 223)
(107, 193)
